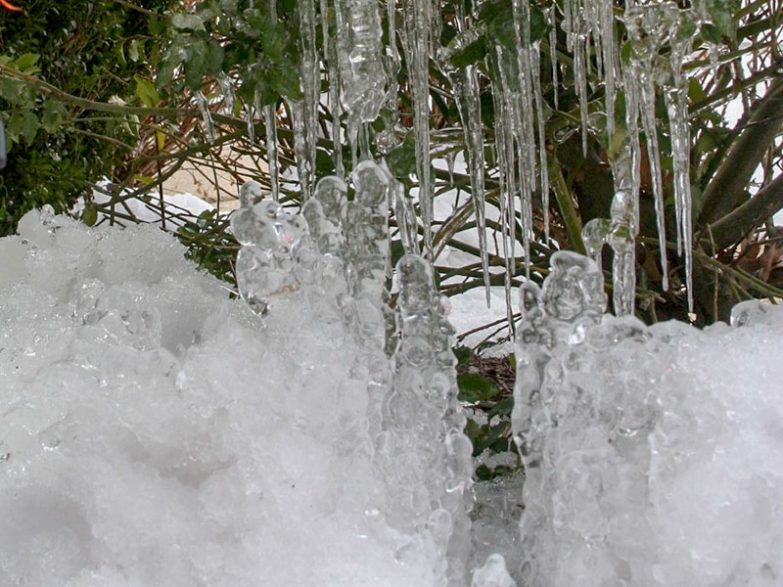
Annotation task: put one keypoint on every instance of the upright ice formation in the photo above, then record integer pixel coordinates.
(652, 455)
(153, 432)
(436, 495)
(271, 239)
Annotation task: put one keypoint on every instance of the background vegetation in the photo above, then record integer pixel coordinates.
(110, 89)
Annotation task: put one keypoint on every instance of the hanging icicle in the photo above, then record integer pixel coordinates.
(418, 28)
(676, 95)
(648, 29)
(362, 75)
(311, 90)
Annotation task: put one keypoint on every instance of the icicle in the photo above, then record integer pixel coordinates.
(418, 27)
(648, 28)
(609, 50)
(622, 240)
(580, 79)
(524, 122)
(676, 94)
(475, 141)
(362, 75)
(405, 215)
(298, 123)
(387, 139)
(250, 121)
(270, 123)
(465, 87)
(425, 380)
(333, 71)
(269, 235)
(552, 18)
(229, 98)
(543, 165)
(507, 222)
(206, 116)
(594, 236)
(311, 90)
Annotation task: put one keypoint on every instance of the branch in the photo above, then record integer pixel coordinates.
(726, 190)
(565, 203)
(732, 227)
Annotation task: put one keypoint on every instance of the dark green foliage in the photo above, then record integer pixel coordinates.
(90, 50)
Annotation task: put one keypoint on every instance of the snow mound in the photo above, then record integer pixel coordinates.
(153, 432)
(654, 455)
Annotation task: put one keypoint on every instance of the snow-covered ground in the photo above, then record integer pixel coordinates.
(153, 432)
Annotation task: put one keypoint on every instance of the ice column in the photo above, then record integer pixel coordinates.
(270, 237)
(422, 425)
(555, 320)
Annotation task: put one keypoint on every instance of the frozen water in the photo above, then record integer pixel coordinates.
(653, 455)
(153, 432)
(156, 433)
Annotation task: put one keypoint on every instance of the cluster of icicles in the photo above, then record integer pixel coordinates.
(362, 70)
(406, 357)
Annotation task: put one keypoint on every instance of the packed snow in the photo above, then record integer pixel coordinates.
(155, 432)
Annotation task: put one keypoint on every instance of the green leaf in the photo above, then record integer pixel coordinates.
(214, 60)
(463, 355)
(402, 160)
(26, 62)
(285, 81)
(30, 126)
(146, 92)
(722, 14)
(196, 64)
(90, 214)
(14, 91)
(187, 22)
(502, 408)
(469, 54)
(133, 50)
(53, 116)
(711, 33)
(626, 52)
(538, 24)
(474, 387)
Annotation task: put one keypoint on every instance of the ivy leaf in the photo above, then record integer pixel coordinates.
(538, 24)
(90, 214)
(196, 64)
(285, 81)
(187, 22)
(474, 387)
(146, 92)
(469, 54)
(722, 14)
(52, 116)
(214, 59)
(26, 62)
(402, 160)
(502, 408)
(30, 126)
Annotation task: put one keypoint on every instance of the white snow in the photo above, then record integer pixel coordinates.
(153, 432)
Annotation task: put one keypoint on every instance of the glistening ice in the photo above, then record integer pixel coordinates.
(154, 432)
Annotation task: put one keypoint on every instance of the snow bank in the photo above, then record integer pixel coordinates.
(654, 455)
(152, 432)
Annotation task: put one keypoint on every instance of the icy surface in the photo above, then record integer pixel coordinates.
(155, 433)
(654, 456)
